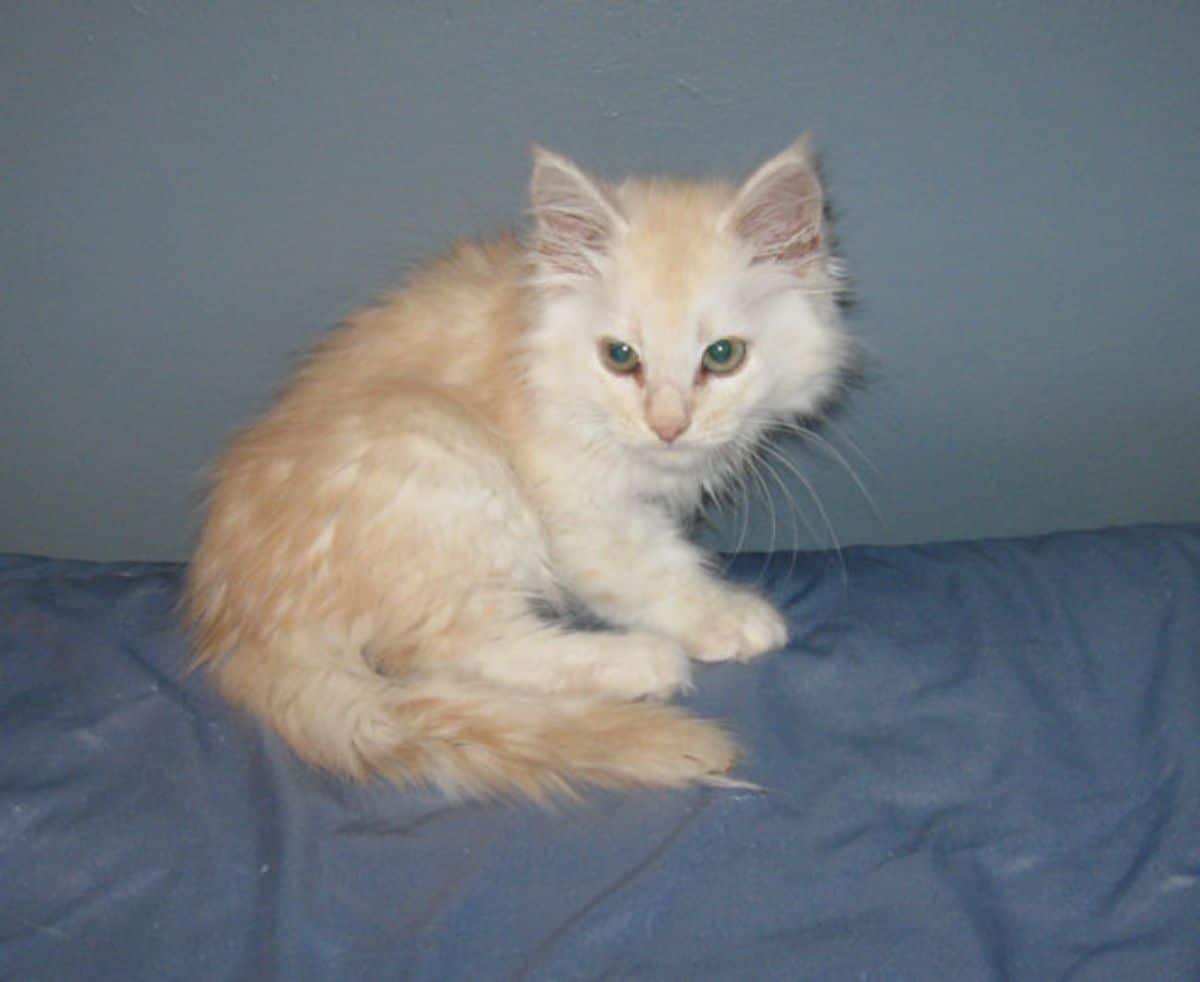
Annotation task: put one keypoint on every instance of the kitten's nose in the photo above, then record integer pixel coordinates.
(667, 412)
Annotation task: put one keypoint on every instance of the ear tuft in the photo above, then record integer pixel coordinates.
(780, 210)
(575, 217)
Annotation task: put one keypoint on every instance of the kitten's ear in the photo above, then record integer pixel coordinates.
(780, 210)
(575, 216)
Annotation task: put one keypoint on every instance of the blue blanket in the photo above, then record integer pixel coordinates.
(980, 761)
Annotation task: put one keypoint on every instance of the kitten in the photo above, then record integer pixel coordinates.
(522, 424)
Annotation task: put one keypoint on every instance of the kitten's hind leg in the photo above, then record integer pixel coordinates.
(525, 652)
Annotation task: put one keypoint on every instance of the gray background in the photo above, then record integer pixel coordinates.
(192, 192)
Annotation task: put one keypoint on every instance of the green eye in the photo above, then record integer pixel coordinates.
(724, 356)
(619, 357)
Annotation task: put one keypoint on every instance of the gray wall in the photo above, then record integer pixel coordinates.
(192, 192)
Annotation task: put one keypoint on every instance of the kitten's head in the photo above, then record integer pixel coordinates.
(680, 320)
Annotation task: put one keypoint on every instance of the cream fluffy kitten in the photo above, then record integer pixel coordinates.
(522, 424)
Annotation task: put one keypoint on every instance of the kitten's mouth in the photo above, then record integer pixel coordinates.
(676, 456)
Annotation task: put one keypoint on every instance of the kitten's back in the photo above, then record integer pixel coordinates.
(453, 328)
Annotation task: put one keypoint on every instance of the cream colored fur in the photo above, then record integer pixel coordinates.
(381, 547)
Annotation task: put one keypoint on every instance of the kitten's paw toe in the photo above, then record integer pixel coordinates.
(742, 626)
(651, 666)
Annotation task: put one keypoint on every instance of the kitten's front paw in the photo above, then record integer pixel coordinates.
(738, 625)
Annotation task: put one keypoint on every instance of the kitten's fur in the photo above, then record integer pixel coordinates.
(379, 543)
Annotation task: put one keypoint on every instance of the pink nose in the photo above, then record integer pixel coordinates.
(668, 430)
(667, 412)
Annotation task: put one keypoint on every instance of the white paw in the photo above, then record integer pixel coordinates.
(648, 665)
(738, 624)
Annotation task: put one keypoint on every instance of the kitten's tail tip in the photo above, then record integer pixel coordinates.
(727, 783)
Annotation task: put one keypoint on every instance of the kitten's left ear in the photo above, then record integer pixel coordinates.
(575, 217)
(780, 210)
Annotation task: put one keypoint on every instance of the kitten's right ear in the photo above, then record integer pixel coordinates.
(575, 216)
(779, 211)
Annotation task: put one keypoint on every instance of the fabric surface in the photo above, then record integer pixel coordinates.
(980, 761)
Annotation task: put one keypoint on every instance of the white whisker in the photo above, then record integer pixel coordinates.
(797, 516)
(787, 463)
(811, 436)
(753, 469)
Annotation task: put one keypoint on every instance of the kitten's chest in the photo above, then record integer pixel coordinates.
(585, 486)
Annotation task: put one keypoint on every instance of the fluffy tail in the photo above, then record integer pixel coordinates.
(475, 740)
